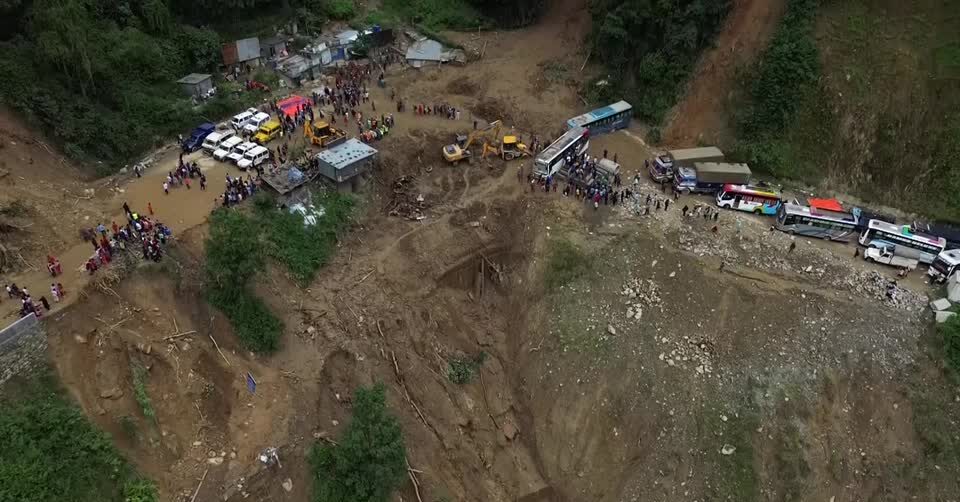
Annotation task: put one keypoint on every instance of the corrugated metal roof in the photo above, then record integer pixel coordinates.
(425, 50)
(346, 154)
(194, 78)
(247, 49)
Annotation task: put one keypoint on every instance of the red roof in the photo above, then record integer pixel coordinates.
(828, 204)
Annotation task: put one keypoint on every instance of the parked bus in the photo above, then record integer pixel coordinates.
(749, 198)
(816, 222)
(902, 241)
(553, 159)
(604, 120)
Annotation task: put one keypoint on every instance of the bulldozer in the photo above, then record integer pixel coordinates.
(508, 149)
(322, 134)
(460, 149)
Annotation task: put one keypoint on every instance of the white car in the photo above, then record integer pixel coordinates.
(236, 155)
(211, 142)
(254, 157)
(226, 146)
(255, 122)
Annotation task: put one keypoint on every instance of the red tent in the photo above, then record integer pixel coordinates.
(826, 204)
(289, 106)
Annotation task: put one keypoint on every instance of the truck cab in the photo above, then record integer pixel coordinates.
(195, 141)
(886, 256)
(685, 180)
(661, 169)
(945, 265)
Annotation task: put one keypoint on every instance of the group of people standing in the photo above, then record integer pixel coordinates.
(239, 190)
(28, 305)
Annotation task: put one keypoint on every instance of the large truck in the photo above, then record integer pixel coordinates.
(944, 265)
(709, 177)
(663, 167)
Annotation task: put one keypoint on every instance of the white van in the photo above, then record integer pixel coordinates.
(226, 146)
(255, 122)
(241, 119)
(254, 157)
(211, 142)
(236, 155)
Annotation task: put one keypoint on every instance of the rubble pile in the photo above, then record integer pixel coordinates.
(404, 202)
(690, 353)
(641, 293)
(876, 285)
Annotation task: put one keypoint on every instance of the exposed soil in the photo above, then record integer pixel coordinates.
(703, 115)
(785, 356)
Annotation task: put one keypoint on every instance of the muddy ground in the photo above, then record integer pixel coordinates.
(655, 374)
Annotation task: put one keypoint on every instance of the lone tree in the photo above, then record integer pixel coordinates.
(370, 460)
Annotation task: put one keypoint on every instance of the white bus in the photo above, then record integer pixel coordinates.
(816, 222)
(749, 198)
(902, 241)
(572, 144)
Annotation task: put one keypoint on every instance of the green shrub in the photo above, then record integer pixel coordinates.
(140, 391)
(340, 10)
(369, 461)
(49, 452)
(463, 369)
(257, 328)
(950, 331)
(565, 263)
(303, 249)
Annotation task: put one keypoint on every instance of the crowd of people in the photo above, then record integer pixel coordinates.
(28, 305)
(239, 190)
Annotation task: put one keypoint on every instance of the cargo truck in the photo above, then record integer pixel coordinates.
(709, 177)
(663, 167)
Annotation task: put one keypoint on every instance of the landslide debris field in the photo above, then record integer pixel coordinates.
(533, 349)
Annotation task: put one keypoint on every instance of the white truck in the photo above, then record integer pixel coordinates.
(885, 256)
(944, 265)
(212, 141)
(236, 155)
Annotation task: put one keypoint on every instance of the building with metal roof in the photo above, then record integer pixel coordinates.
(343, 163)
(196, 84)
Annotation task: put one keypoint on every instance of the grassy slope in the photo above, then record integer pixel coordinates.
(885, 123)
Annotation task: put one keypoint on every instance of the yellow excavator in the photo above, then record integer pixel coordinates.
(508, 149)
(455, 152)
(322, 134)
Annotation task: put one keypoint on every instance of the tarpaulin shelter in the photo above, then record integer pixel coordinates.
(826, 204)
(289, 106)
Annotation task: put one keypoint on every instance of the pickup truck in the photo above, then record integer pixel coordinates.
(885, 256)
(195, 140)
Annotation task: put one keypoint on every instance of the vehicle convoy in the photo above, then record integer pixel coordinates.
(195, 141)
(236, 155)
(886, 256)
(662, 168)
(322, 134)
(752, 199)
(945, 265)
(709, 177)
(267, 132)
(509, 148)
(226, 146)
(460, 149)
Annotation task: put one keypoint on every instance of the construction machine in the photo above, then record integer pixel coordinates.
(508, 149)
(322, 134)
(460, 150)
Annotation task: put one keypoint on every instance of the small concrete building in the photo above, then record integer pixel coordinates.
(196, 84)
(430, 52)
(347, 164)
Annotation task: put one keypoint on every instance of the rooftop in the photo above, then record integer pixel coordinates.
(194, 78)
(342, 156)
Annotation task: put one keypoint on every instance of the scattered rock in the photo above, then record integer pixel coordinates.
(941, 304)
(509, 430)
(611, 330)
(287, 484)
(114, 393)
(215, 460)
(198, 443)
(311, 330)
(728, 449)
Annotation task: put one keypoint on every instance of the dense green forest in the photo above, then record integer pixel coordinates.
(649, 48)
(98, 76)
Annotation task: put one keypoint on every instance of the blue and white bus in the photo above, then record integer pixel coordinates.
(555, 157)
(604, 120)
(902, 241)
